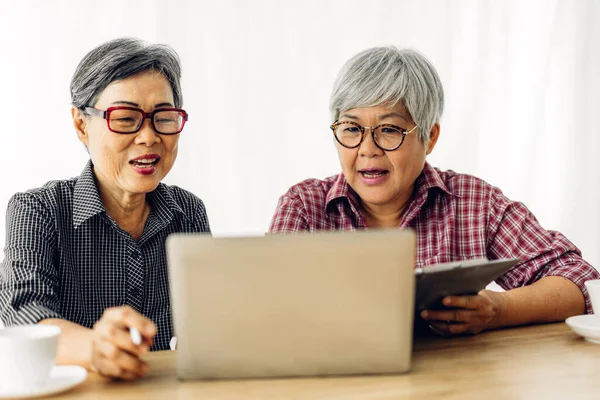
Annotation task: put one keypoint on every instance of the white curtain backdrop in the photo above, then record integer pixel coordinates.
(521, 77)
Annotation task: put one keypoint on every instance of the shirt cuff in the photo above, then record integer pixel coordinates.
(29, 314)
(578, 275)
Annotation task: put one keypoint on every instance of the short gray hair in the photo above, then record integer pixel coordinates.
(119, 59)
(382, 75)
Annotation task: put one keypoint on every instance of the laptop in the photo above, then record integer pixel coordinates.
(292, 305)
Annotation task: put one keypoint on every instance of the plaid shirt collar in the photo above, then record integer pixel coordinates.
(429, 178)
(87, 202)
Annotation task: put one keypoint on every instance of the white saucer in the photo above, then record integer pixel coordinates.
(587, 326)
(61, 378)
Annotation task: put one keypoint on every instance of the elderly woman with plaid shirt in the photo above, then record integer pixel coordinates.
(386, 105)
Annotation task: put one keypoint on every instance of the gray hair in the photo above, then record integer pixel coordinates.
(119, 59)
(382, 75)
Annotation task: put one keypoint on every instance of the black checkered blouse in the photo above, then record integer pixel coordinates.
(66, 258)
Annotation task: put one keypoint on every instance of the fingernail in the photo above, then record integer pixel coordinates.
(424, 314)
(149, 329)
(447, 301)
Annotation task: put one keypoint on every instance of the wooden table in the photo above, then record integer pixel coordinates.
(537, 362)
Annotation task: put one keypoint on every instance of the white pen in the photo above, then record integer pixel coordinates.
(136, 337)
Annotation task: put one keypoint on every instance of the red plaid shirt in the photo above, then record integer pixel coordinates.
(455, 217)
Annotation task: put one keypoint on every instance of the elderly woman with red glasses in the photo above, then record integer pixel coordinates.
(386, 106)
(88, 253)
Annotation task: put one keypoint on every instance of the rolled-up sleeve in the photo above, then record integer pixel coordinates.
(513, 231)
(28, 274)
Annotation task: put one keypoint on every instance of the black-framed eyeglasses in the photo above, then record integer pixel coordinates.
(126, 120)
(387, 137)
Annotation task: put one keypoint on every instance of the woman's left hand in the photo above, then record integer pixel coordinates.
(466, 314)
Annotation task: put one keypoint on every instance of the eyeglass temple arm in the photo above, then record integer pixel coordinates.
(94, 112)
(413, 128)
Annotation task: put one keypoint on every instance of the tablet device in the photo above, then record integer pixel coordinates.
(467, 277)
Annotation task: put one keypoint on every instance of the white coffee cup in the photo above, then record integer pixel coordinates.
(27, 355)
(593, 288)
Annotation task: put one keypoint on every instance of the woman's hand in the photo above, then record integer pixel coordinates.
(113, 352)
(466, 314)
